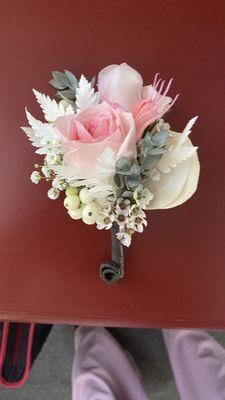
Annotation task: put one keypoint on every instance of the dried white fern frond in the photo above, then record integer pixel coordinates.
(102, 191)
(179, 149)
(105, 165)
(99, 180)
(35, 141)
(41, 129)
(71, 174)
(174, 157)
(102, 173)
(85, 94)
(43, 135)
(187, 130)
(51, 109)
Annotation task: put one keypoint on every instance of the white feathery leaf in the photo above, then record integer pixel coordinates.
(99, 180)
(44, 134)
(42, 150)
(102, 175)
(187, 130)
(35, 141)
(35, 124)
(85, 94)
(71, 173)
(29, 132)
(179, 149)
(41, 129)
(105, 164)
(51, 109)
(101, 191)
(174, 157)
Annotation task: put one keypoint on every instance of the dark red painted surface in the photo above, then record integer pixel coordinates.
(175, 271)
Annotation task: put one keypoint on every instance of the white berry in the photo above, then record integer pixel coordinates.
(90, 213)
(71, 202)
(76, 214)
(85, 196)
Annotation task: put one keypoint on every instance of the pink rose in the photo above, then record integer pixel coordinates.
(122, 86)
(87, 134)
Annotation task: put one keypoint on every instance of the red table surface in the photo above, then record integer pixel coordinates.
(175, 271)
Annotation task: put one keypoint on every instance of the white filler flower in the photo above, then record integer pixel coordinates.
(35, 177)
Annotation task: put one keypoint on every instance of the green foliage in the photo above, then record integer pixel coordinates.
(151, 148)
(132, 181)
(66, 84)
(129, 173)
(66, 94)
(72, 80)
(128, 177)
(119, 181)
(123, 166)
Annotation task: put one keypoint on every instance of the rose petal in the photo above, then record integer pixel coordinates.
(122, 141)
(128, 145)
(70, 129)
(120, 84)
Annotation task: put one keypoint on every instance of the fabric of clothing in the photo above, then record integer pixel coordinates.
(198, 364)
(102, 370)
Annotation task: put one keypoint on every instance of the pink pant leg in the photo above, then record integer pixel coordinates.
(198, 363)
(102, 370)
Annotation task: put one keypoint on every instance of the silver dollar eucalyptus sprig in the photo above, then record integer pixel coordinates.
(127, 177)
(66, 84)
(151, 148)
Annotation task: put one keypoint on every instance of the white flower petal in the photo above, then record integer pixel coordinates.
(177, 186)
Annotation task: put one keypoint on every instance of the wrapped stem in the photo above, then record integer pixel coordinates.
(112, 271)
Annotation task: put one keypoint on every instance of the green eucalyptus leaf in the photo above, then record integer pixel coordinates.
(147, 150)
(160, 138)
(61, 77)
(135, 170)
(56, 84)
(68, 94)
(157, 151)
(73, 83)
(148, 139)
(132, 181)
(123, 166)
(150, 162)
(119, 181)
(61, 96)
(141, 159)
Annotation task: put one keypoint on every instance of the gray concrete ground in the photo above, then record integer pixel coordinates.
(50, 378)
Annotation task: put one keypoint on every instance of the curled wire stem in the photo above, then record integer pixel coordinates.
(112, 271)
